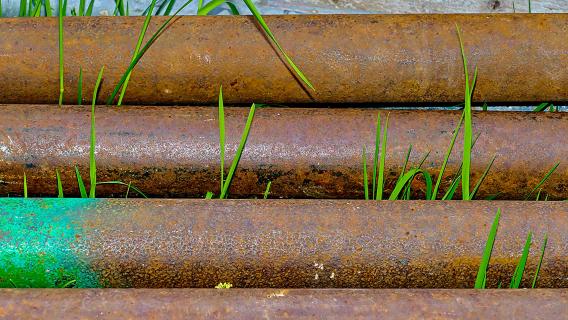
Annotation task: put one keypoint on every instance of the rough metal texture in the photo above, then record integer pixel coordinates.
(282, 304)
(279, 243)
(306, 153)
(383, 58)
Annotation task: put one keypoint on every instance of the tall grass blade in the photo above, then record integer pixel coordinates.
(267, 191)
(381, 173)
(541, 107)
(170, 7)
(59, 184)
(530, 7)
(0, 8)
(92, 161)
(546, 177)
(81, 8)
(542, 249)
(89, 11)
(446, 158)
(143, 51)
(25, 185)
(482, 272)
(80, 183)
(467, 124)
(365, 178)
(235, 163)
(80, 87)
(376, 155)
(60, 34)
(520, 269)
(482, 178)
(137, 49)
(23, 6)
(128, 185)
(222, 135)
(405, 163)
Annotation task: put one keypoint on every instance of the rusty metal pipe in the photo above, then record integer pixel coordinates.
(282, 304)
(349, 58)
(306, 153)
(274, 243)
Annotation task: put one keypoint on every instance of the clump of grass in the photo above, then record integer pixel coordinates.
(378, 162)
(446, 158)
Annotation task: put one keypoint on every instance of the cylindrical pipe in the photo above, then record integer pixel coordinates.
(348, 58)
(283, 304)
(306, 153)
(275, 243)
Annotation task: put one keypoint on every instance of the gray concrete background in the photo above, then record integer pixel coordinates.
(136, 7)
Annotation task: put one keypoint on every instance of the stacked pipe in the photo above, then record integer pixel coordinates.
(307, 143)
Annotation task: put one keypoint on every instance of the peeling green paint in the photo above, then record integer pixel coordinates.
(42, 243)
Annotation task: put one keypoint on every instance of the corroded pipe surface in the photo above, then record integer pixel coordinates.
(282, 304)
(306, 153)
(274, 243)
(348, 58)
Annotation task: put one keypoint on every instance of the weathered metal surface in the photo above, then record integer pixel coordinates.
(306, 153)
(274, 243)
(282, 304)
(384, 58)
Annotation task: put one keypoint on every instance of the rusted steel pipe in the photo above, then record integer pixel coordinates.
(282, 304)
(306, 153)
(349, 58)
(274, 243)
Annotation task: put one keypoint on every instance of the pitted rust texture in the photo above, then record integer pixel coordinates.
(319, 243)
(306, 153)
(282, 304)
(348, 58)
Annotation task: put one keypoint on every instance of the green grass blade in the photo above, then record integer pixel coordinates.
(0, 8)
(142, 51)
(407, 179)
(92, 161)
(235, 163)
(541, 107)
(467, 125)
(89, 11)
(482, 272)
(233, 8)
(267, 191)
(80, 87)
(550, 172)
(128, 185)
(170, 7)
(446, 158)
(365, 178)
(482, 178)
(520, 269)
(222, 136)
(538, 195)
(119, 8)
(407, 190)
(59, 184)
(405, 163)
(25, 185)
(530, 7)
(542, 249)
(381, 173)
(81, 8)
(80, 183)
(137, 49)
(23, 6)
(60, 34)
(376, 155)
(264, 26)
(204, 10)
(37, 9)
